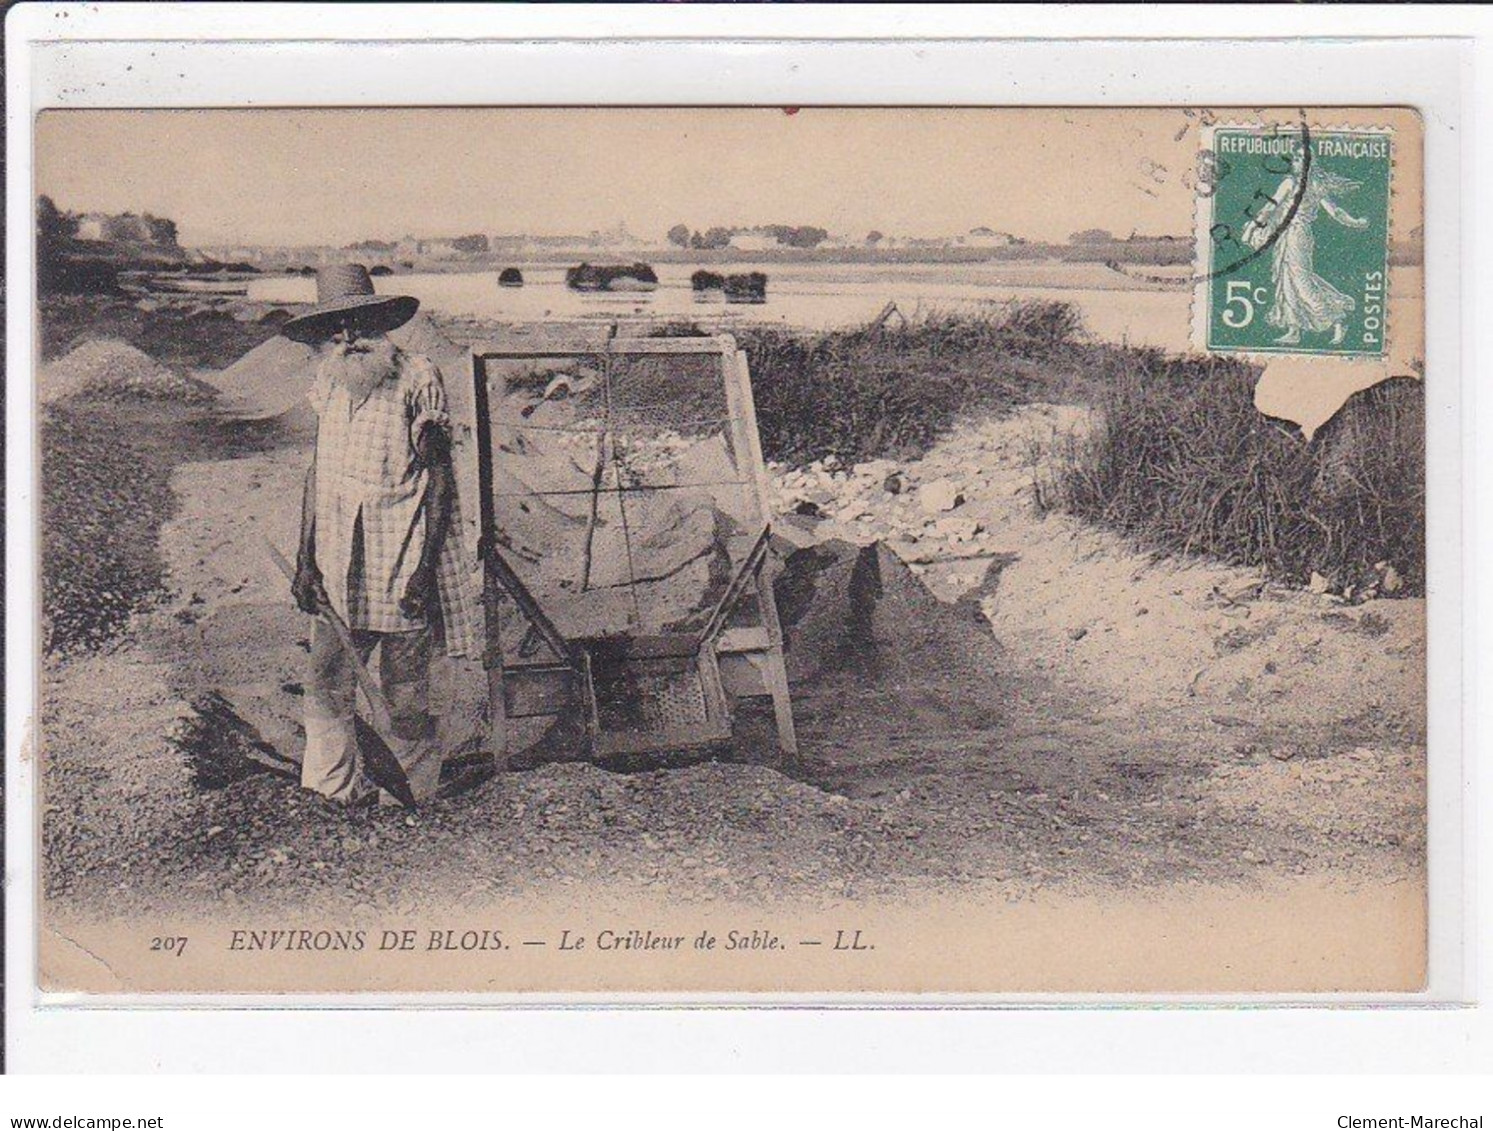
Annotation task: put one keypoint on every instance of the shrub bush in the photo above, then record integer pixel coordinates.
(866, 393)
(1180, 460)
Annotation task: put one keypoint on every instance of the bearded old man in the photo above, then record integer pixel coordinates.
(380, 535)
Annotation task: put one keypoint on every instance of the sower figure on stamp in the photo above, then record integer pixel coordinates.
(380, 534)
(1304, 300)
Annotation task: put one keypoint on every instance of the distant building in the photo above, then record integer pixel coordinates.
(144, 230)
(986, 237)
(507, 244)
(445, 247)
(619, 238)
(230, 253)
(554, 243)
(840, 242)
(91, 226)
(1092, 236)
(440, 249)
(753, 241)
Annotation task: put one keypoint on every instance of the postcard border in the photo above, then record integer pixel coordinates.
(1443, 340)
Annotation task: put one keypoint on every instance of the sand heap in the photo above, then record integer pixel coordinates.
(113, 370)
(869, 647)
(273, 378)
(268, 380)
(421, 335)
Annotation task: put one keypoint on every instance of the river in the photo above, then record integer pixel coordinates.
(814, 296)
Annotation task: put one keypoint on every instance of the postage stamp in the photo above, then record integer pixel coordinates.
(1293, 239)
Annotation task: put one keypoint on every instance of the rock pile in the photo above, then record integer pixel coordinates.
(917, 508)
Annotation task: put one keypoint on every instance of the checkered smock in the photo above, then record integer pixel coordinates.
(370, 504)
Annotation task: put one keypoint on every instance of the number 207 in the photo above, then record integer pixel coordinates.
(168, 944)
(1239, 305)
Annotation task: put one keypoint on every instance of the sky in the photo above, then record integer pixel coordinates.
(335, 176)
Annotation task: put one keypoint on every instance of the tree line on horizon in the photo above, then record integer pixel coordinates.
(809, 236)
(789, 235)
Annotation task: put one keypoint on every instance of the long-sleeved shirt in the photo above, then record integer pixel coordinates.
(371, 519)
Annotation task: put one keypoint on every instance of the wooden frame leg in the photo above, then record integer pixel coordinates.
(497, 724)
(775, 670)
(776, 674)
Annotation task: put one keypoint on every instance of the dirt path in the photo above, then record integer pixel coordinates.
(1112, 722)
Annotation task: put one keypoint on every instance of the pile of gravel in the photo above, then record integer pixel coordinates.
(105, 494)
(108, 369)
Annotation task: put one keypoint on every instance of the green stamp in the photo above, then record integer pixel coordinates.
(1295, 240)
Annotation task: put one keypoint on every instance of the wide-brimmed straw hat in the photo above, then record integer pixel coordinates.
(344, 292)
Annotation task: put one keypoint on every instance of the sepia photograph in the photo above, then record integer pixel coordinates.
(731, 551)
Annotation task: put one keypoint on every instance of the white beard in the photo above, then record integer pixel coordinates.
(362, 367)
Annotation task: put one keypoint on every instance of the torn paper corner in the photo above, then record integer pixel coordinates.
(1309, 391)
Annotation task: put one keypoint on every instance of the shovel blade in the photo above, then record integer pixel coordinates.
(381, 765)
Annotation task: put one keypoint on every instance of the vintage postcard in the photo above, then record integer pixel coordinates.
(771, 551)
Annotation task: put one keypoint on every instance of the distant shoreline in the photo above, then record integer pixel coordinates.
(1155, 253)
(1140, 253)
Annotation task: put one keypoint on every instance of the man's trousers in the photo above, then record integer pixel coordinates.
(333, 765)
